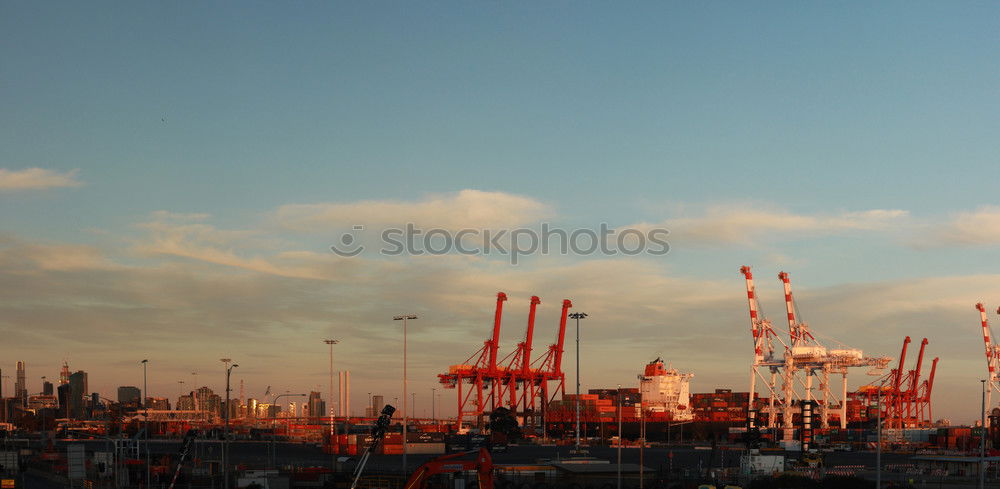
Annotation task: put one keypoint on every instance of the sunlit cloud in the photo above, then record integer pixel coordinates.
(474, 209)
(36, 179)
(749, 223)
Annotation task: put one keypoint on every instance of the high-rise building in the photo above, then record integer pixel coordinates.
(293, 410)
(77, 394)
(64, 374)
(185, 403)
(63, 393)
(20, 387)
(378, 402)
(128, 394)
(206, 400)
(46, 388)
(317, 407)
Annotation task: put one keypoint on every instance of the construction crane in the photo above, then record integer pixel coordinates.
(992, 356)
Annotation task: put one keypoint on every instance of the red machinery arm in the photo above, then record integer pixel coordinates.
(561, 340)
(526, 346)
(991, 360)
(898, 379)
(796, 329)
(755, 328)
(915, 374)
(495, 341)
(790, 308)
(446, 464)
(930, 380)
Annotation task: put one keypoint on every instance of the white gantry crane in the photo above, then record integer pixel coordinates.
(803, 353)
(992, 356)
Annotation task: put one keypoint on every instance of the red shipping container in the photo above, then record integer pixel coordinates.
(352, 449)
(392, 449)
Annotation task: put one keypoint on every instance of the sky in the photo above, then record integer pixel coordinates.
(174, 174)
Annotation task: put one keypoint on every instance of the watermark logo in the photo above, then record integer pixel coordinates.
(512, 244)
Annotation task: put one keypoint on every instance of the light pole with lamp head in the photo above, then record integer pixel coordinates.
(982, 440)
(145, 416)
(404, 318)
(578, 316)
(274, 429)
(225, 436)
(333, 456)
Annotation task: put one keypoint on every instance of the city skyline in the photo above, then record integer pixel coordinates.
(180, 184)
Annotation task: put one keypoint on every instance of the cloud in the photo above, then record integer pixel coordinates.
(741, 224)
(464, 209)
(966, 229)
(36, 179)
(269, 310)
(188, 236)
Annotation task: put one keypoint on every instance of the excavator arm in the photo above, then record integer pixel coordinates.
(447, 464)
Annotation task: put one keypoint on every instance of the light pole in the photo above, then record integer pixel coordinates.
(333, 456)
(620, 436)
(404, 318)
(433, 405)
(878, 438)
(578, 316)
(371, 407)
(225, 436)
(982, 440)
(274, 430)
(145, 416)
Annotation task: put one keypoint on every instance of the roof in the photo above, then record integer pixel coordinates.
(577, 468)
(952, 458)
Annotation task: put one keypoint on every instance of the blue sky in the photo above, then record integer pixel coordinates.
(656, 113)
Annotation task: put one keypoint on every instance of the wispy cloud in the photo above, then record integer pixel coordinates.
(464, 209)
(36, 179)
(971, 228)
(747, 223)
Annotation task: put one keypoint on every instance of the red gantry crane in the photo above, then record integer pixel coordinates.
(480, 372)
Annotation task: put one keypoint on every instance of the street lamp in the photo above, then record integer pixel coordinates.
(620, 436)
(225, 436)
(142, 399)
(982, 440)
(274, 432)
(433, 405)
(578, 316)
(404, 318)
(333, 456)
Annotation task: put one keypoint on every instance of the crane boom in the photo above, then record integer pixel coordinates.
(561, 340)
(495, 341)
(526, 346)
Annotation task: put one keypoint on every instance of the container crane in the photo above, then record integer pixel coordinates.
(764, 357)
(480, 371)
(550, 364)
(518, 366)
(992, 356)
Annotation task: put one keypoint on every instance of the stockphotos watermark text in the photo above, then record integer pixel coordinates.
(510, 243)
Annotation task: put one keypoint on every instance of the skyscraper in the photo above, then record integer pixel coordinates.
(317, 407)
(20, 388)
(78, 390)
(64, 374)
(47, 388)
